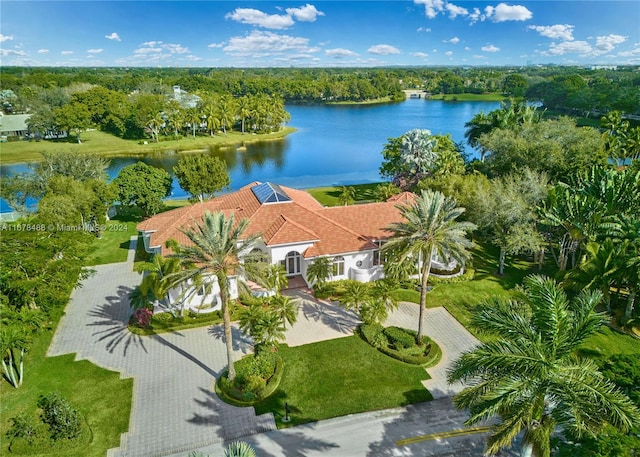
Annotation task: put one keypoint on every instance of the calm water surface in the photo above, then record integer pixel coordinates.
(333, 145)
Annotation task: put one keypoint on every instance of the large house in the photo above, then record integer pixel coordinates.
(295, 229)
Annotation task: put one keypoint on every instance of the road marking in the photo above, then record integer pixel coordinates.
(435, 436)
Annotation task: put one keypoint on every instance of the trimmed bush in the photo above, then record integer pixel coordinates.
(378, 337)
(257, 377)
(399, 337)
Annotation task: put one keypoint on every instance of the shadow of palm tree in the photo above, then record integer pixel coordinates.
(114, 317)
(232, 422)
(413, 433)
(295, 444)
(240, 341)
(333, 316)
(185, 354)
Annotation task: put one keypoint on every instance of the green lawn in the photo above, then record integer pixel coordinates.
(101, 143)
(329, 196)
(100, 395)
(342, 376)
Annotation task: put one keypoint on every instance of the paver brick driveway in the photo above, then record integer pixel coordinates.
(174, 408)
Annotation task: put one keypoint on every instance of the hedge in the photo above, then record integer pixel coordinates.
(373, 333)
(228, 392)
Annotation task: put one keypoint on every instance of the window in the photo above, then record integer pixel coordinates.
(377, 258)
(338, 266)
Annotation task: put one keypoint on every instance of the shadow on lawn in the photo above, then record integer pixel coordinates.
(114, 317)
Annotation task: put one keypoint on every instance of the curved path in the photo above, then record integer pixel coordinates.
(173, 408)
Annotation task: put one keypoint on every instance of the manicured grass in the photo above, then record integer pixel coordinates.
(608, 342)
(100, 395)
(342, 376)
(104, 144)
(113, 246)
(329, 196)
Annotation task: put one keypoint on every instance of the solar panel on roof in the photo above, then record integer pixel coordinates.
(270, 193)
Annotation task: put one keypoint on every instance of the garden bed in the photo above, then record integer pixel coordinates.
(257, 377)
(400, 344)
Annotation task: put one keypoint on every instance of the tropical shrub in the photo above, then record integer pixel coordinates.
(22, 427)
(257, 377)
(63, 420)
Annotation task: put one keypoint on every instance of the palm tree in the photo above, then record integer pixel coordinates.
(213, 256)
(418, 150)
(347, 195)
(156, 280)
(285, 308)
(529, 374)
(477, 126)
(429, 229)
(355, 294)
(319, 271)
(243, 110)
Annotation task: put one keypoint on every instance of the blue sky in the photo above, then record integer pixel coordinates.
(318, 33)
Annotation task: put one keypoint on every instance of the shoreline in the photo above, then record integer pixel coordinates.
(107, 146)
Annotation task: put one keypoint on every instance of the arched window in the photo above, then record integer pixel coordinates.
(338, 266)
(291, 263)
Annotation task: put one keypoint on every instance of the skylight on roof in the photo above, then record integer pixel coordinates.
(270, 193)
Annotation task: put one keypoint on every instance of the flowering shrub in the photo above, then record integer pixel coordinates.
(143, 317)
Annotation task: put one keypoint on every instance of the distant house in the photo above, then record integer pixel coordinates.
(13, 125)
(295, 229)
(185, 99)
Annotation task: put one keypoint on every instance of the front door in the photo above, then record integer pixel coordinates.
(291, 263)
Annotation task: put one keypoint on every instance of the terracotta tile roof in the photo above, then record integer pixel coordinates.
(284, 231)
(370, 219)
(332, 230)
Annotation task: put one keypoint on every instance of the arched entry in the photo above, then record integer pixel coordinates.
(291, 263)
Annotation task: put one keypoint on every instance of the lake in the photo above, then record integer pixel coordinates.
(333, 145)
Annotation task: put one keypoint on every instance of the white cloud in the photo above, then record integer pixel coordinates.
(113, 36)
(66, 53)
(467, 48)
(383, 49)
(568, 47)
(4, 38)
(158, 47)
(609, 42)
(562, 32)
(95, 51)
(256, 17)
(216, 45)
(307, 13)
(448, 53)
(424, 29)
(634, 52)
(192, 58)
(455, 11)
(431, 7)
(422, 55)
(454, 40)
(340, 53)
(490, 48)
(43, 51)
(504, 12)
(266, 43)
(500, 13)
(12, 52)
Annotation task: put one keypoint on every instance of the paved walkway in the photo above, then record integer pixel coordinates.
(174, 408)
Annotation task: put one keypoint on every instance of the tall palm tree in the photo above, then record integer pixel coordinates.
(157, 279)
(244, 110)
(213, 256)
(530, 376)
(429, 228)
(477, 126)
